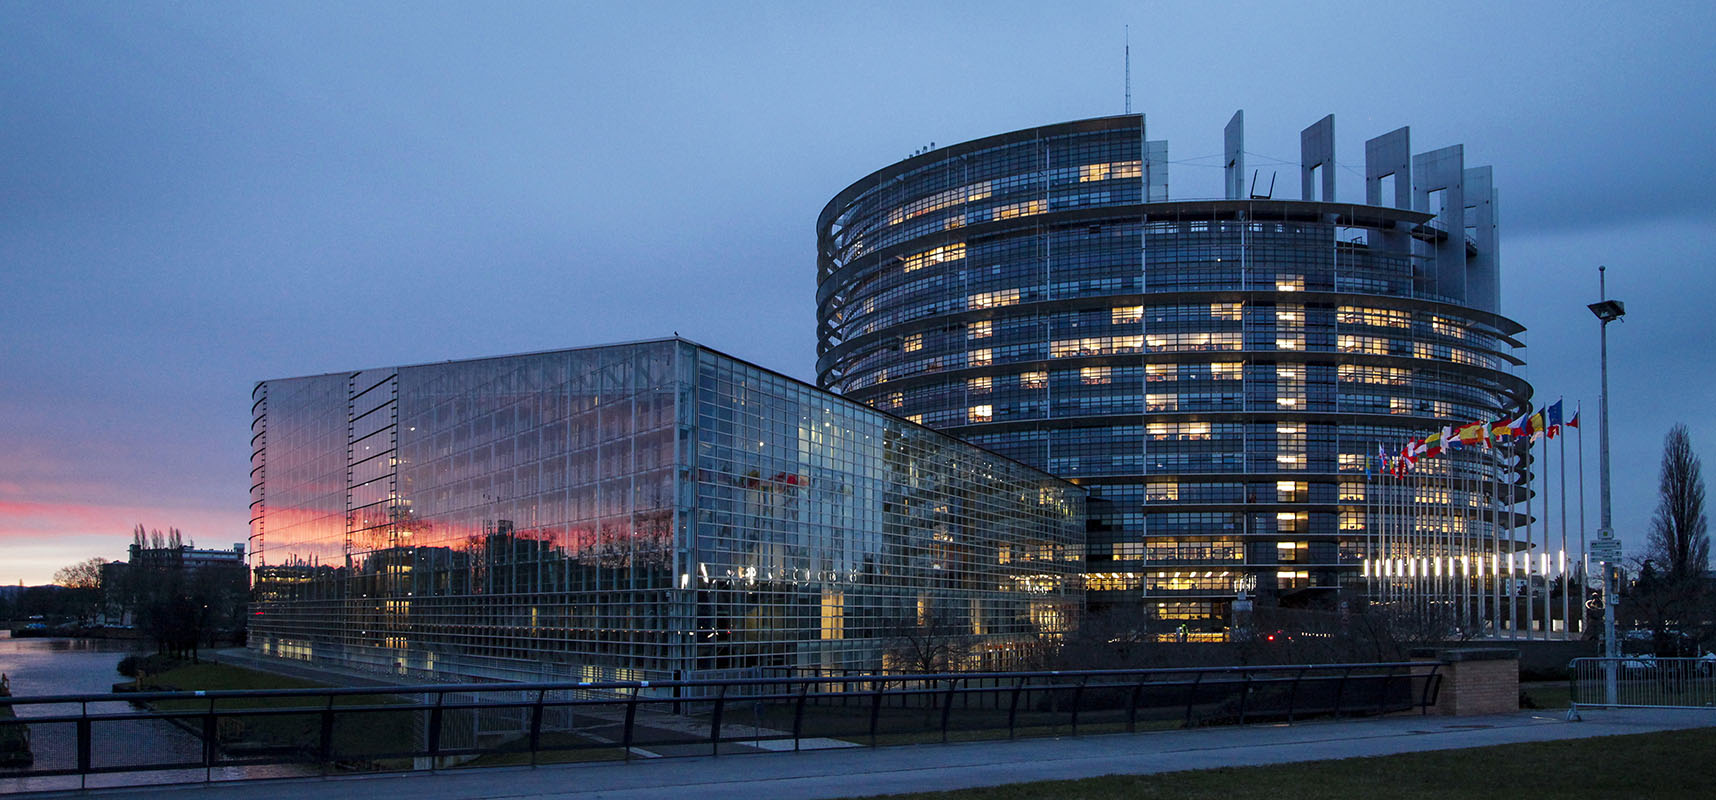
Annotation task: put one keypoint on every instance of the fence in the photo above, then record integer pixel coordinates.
(448, 726)
(1644, 682)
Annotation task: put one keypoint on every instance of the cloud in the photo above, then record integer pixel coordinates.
(39, 538)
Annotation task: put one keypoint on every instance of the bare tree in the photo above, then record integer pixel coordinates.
(84, 574)
(926, 643)
(83, 583)
(1679, 537)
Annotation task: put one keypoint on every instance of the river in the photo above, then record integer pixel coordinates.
(39, 667)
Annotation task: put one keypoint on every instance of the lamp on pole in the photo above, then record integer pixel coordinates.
(1607, 311)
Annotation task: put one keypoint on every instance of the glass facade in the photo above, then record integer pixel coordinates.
(643, 511)
(1213, 372)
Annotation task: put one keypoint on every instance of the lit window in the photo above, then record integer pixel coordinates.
(913, 343)
(982, 413)
(918, 418)
(979, 384)
(1033, 380)
(1125, 314)
(1289, 283)
(1225, 311)
(979, 329)
(1019, 209)
(1003, 297)
(981, 357)
(937, 255)
(1226, 370)
(1093, 376)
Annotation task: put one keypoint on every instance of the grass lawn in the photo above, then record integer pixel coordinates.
(357, 735)
(1639, 765)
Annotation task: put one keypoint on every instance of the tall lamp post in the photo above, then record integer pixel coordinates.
(1607, 311)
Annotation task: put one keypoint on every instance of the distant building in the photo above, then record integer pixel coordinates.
(218, 579)
(638, 511)
(1215, 372)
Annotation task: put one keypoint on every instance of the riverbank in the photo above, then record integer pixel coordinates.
(93, 632)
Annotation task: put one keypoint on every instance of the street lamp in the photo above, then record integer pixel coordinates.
(1607, 311)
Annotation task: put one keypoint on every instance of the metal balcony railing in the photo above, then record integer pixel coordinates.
(230, 734)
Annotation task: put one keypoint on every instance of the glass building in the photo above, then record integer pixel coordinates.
(638, 511)
(1214, 372)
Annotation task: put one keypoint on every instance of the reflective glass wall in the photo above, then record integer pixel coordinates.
(636, 511)
(1213, 372)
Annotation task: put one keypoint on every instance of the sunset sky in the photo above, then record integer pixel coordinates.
(197, 196)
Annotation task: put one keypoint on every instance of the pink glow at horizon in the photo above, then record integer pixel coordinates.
(38, 538)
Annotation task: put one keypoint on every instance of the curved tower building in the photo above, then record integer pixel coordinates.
(1215, 372)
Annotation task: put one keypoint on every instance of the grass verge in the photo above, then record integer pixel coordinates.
(357, 735)
(1637, 765)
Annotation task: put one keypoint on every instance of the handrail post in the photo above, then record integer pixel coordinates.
(1341, 690)
(83, 745)
(209, 735)
(1432, 687)
(1293, 693)
(1013, 708)
(1078, 698)
(631, 722)
(536, 725)
(1244, 695)
(798, 715)
(435, 730)
(881, 687)
(1192, 696)
(1132, 707)
(947, 707)
(325, 749)
(1382, 696)
(715, 721)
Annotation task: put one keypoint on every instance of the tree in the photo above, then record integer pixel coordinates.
(927, 642)
(83, 584)
(1672, 596)
(1679, 537)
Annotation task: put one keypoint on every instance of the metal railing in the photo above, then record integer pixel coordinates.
(1643, 682)
(441, 726)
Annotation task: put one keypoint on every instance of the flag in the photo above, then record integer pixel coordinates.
(1367, 466)
(1534, 426)
(1520, 425)
(1409, 454)
(1474, 433)
(1451, 440)
(1501, 428)
(1433, 445)
(1574, 422)
(1552, 419)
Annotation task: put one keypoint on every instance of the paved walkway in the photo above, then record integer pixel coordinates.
(853, 773)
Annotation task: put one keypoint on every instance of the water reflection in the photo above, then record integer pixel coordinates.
(41, 667)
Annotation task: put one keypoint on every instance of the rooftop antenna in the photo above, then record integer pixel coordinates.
(1129, 69)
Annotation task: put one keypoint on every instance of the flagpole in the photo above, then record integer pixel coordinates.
(1512, 544)
(1566, 582)
(1548, 558)
(1584, 554)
